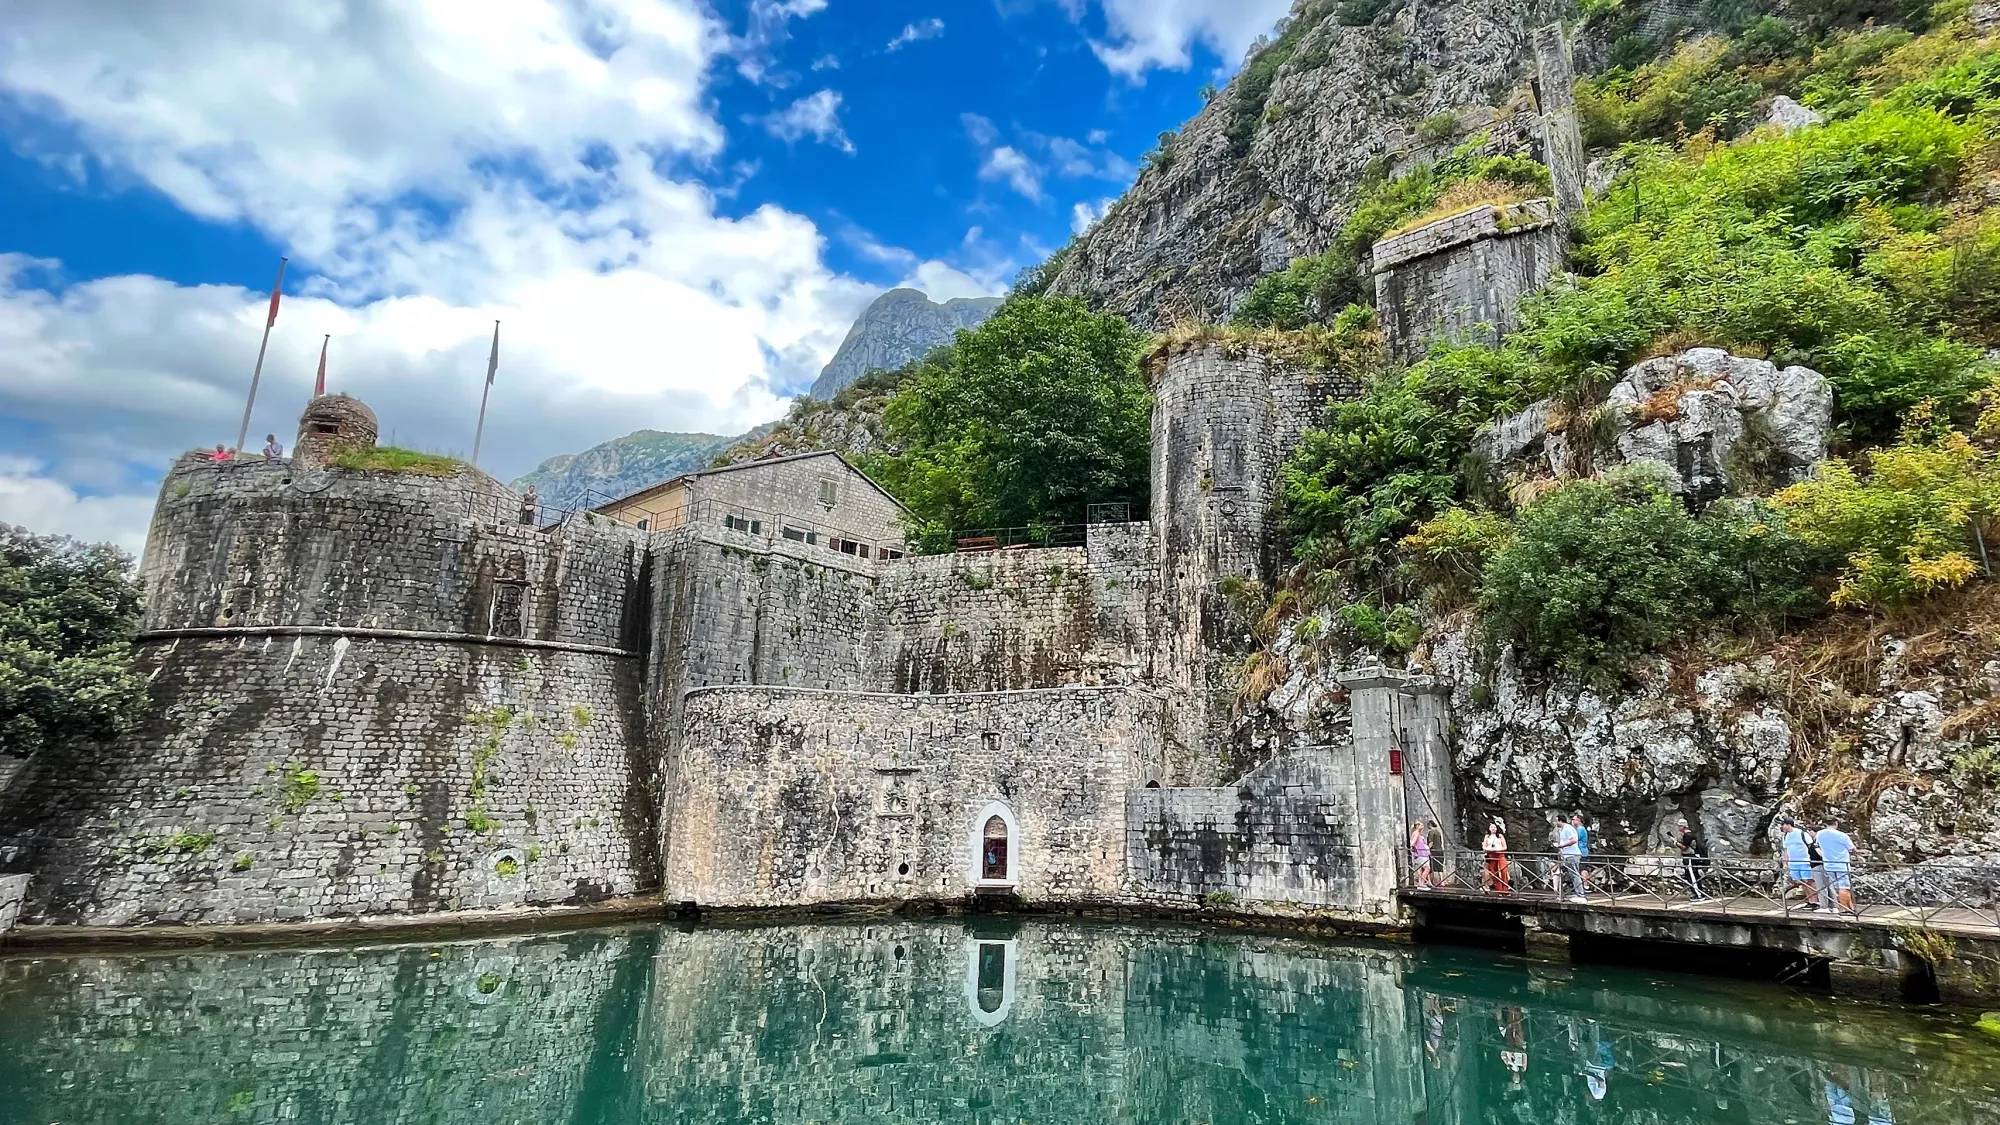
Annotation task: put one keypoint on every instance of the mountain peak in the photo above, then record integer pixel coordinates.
(897, 328)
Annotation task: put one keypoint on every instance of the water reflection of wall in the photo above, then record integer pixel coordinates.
(385, 1037)
(910, 1021)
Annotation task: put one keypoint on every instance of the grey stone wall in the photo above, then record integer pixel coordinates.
(261, 544)
(788, 797)
(1223, 426)
(312, 777)
(1463, 277)
(281, 773)
(1287, 837)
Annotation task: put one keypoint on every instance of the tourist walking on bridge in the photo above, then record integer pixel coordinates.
(1495, 847)
(1420, 853)
(1570, 853)
(1837, 849)
(1694, 857)
(1797, 843)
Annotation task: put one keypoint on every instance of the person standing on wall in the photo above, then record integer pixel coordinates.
(1569, 851)
(1797, 843)
(1837, 849)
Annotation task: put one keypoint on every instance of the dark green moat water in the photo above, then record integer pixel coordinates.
(947, 1022)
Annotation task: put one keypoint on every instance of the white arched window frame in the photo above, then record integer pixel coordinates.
(976, 847)
(980, 952)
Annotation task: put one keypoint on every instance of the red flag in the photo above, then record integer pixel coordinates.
(273, 318)
(319, 384)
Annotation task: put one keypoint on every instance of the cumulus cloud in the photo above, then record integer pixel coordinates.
(1016, 170)
(429, 173)
(816, 116)
(30, 498)
(917, 32)
(1142, 34)
(1084, 215)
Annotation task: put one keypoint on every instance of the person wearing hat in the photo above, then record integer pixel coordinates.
(1798, 861)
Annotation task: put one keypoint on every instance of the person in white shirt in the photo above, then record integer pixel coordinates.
(1570, 850)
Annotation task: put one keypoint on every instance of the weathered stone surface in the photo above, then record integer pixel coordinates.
(1715, 422)
(897, 328)
(1463, 277)
(1788, 115)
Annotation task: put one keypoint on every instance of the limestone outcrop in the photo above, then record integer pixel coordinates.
(1716, 423)
(899, 327)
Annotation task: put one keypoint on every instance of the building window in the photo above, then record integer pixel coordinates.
(829, 492)
(325, 428)
(993, 852)
(800, 535)
(890, 553)
(992, 986)
(989, 979)
(849, 547)
(644, 525)
(744, 524)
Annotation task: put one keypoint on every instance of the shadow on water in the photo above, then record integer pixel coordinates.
(925, 1021)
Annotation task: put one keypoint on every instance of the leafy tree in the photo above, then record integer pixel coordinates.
(1027, 419)
(1597, 573)
(67, 613)
(1911, 526)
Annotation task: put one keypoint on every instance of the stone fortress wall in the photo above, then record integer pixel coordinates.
(380, 693)
(371, 693)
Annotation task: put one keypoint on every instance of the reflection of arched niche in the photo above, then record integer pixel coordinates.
(989, 979)
(995, 847)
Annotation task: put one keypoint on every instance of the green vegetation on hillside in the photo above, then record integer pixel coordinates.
(67, 614)
(1026, 420)
(1864, 248)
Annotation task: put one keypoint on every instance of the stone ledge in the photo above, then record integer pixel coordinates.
(1484, 221)
(36, 940)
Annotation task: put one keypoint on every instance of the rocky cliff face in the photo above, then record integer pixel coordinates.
(619, 467)
(898, 328)
(1267, 173)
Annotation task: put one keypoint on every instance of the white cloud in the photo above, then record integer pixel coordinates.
(816, 116)
(429, 172)
(916, 32)
(1019, 172)
(31, 499)
(768, 27)
(982, 130)
(1143, 34)
(1084, 215)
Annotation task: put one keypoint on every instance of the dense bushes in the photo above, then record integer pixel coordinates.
(67, 614)
(1598, 572)
(1913, 524)
(1027, 419)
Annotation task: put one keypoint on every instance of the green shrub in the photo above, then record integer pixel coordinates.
(389, 459)
(68, 611)
(1911, 526)
(1597, 573)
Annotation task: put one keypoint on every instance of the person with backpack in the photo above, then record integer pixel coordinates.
(1694, 858)
(1799, 846)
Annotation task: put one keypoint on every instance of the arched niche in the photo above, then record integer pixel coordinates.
(995, 847)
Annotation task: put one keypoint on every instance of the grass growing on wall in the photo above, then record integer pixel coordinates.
(389, 459)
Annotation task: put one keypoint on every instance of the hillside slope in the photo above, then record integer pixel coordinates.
(899, 327)
(620, 466)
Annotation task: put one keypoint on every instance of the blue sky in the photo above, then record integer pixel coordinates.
(675, 207)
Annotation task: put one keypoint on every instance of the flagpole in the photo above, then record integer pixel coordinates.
(492, 365)
(243, 434)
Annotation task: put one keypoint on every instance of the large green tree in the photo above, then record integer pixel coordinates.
(1027, 419)
(67, 614)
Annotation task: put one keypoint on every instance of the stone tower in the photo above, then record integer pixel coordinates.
(332, 423)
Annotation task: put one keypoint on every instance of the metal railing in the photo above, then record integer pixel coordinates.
(1020, 538)
(1921, 895)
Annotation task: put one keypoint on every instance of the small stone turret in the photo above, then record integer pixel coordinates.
(332, 423)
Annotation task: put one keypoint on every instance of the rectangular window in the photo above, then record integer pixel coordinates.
(744, 524)
(829, 492)
(891, 553)
(800, 535)
(644, 525)
(849, 547)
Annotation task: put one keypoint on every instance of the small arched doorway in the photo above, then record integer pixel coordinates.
(996, 847)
